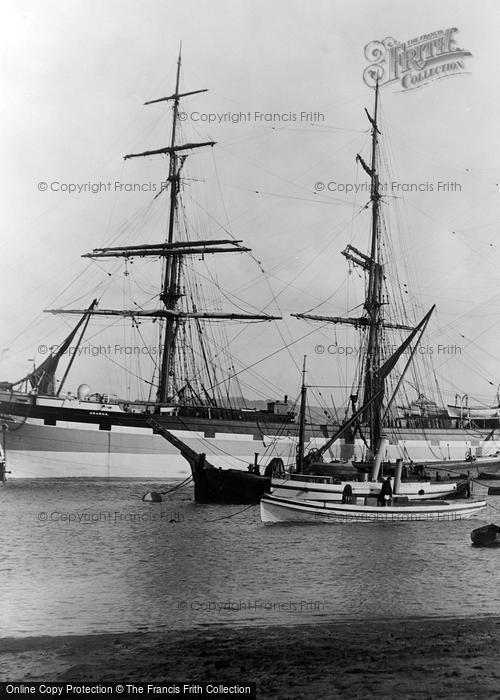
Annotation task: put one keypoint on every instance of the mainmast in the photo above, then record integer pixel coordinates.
(172, 252)
(373, 302)
(371, 321)
(171, 287)
(171, 292)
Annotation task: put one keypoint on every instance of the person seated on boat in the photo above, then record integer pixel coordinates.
(275, 468)
(385, 496)
(347, 496)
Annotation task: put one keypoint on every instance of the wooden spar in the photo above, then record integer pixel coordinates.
(187, 452)
(165, 250)
(302, 422)
(386, 368)
(373, 302)
(173, 252)
(373, 384)
(73, 356)
(49, 365)
(175, 96)
(171, 289)
(211, 398)
(355, 255)
(171, 246)
(381, 373)
(375, 373)
(166, 313)
(357, 322)
(171, 150)
(170, 292)
(422, 325)
(352, 420)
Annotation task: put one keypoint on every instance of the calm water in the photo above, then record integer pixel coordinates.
(81, 556)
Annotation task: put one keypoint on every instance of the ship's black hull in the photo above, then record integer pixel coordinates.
(228, 486)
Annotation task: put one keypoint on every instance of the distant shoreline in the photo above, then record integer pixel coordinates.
(424, 657)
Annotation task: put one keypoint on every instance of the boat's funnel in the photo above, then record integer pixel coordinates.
(397, 476)
(378, 458)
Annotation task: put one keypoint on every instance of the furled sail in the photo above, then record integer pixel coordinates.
(42, 378)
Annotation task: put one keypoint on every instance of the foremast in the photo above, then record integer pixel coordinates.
(172, 251)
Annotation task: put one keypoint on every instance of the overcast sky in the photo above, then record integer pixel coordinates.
(75, 76)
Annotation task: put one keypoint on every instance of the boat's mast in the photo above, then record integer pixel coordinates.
(170, 292)
(173, 252)
(374, 374)
(373, 302)
(302, 420)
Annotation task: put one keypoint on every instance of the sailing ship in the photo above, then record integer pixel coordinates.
(50, 431)
(53, 432)
(312, 479)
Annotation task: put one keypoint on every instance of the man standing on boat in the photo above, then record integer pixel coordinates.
(386, 492)
(468, 486)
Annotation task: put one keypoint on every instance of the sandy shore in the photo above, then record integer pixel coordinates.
(418, 658)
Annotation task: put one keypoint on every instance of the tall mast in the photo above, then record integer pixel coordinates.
(374, 372)
(373, 302)
(371, 321)
(170, 292)
(173, 252)
(302, 420)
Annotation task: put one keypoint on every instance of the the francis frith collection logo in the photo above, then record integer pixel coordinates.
(415, 62)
